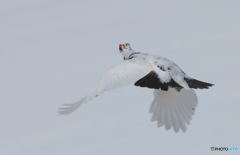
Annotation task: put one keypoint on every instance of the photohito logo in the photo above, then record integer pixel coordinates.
(224, 149)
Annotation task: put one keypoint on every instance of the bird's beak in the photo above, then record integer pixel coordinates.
(120, 47)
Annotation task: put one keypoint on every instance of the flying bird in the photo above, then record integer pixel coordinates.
(174, 100)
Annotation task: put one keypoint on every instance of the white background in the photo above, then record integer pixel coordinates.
(54, 51)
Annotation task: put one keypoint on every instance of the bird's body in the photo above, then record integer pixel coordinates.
(174, 100)
(164, 70)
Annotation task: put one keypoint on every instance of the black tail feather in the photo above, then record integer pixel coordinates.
(193, 83)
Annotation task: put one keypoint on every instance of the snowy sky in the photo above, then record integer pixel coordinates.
(54, 51)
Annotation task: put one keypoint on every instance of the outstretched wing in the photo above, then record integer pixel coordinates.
(173, 109)
(124, 74)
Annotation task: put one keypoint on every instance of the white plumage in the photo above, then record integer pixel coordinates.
(173, 109)
(174, 100)
(124, 74)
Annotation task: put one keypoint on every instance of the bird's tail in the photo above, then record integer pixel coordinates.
(66, 109)
(193, 83)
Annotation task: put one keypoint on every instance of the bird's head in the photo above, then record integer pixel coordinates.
(125, 49)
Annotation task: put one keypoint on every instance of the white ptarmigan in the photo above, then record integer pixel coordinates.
(174, 100)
